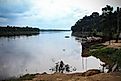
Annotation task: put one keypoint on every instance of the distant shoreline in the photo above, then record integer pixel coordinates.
(18, 31)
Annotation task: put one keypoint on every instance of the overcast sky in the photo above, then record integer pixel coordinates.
(50, 14)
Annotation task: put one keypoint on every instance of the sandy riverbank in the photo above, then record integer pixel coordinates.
(115, 76)
(78, 77)
(90, 75)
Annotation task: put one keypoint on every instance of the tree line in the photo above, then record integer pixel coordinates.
(108, 24)
(13, 30)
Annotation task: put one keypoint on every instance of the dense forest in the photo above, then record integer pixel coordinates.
(108, 24)
(13, 31)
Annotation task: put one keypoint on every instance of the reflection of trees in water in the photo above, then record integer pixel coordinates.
(84, 63)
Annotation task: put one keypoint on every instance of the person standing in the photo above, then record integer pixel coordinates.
(67, 68)
(57, 67)
(61, 67)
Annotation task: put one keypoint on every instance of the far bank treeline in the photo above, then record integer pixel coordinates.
(15, 31)
(108, 24)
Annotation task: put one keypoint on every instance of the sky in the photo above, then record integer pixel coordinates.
(49, 14)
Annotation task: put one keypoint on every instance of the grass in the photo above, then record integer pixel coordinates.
(97, 46)
(108, 55)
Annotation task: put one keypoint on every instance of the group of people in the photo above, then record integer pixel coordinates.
(60, 67)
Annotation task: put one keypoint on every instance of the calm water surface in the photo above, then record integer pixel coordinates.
(21, 55)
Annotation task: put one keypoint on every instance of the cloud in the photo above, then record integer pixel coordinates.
(3, 19)
(13, 8)
(54, 9)
(43, 12)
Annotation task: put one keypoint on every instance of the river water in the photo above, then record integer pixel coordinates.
(37, 54)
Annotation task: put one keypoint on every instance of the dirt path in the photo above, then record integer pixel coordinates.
(113, 44)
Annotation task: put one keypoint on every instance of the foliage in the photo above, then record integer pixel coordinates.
(110, 54)
(97, 46)
(106, 24)
(27, 77)
(62, 67)
(86, 23)
(117, 56)
(15, 31)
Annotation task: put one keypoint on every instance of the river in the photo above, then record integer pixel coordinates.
(38, 53)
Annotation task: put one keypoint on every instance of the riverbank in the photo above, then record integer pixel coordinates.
(108, 52)
(114, 76)
(78, 77)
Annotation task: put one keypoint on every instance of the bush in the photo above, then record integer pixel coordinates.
(108, 55)
(97, 46)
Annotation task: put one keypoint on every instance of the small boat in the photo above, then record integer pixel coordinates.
(66, 36)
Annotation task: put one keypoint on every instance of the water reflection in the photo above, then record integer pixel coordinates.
(33, 54)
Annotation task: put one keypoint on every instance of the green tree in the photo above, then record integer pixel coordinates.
(118, 23)
(107, 19)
